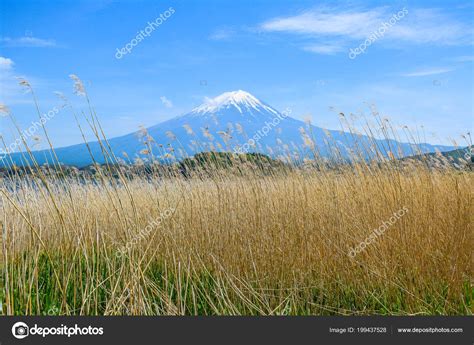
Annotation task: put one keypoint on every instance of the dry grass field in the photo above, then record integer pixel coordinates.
(251, 243)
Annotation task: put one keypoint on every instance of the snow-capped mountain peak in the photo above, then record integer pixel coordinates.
(223, 123)
(241, 100)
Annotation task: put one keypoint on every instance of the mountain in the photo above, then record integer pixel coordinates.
(458, 159)
(234, 121)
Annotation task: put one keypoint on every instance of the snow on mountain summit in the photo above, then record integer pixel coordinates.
(241, 100)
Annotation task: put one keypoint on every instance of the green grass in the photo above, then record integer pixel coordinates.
(171, 291)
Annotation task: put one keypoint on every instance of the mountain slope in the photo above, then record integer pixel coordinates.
(233, 121)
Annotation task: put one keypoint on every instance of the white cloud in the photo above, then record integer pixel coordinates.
(416, 26)
(6, 63)
(11, 92)
(427, 72)
(465, 58)
(27, 41)
(431, 26)
(327, 49)
(221, 34)
(166, 102)
(326, 22)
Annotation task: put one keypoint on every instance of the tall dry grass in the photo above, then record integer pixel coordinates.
(274, 244)
(238, 241)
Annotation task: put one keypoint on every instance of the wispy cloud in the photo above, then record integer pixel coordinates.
(166, 102)
(6, 63)
(465, 58)
(11, 93)
(432, 26)
(325, 21)
(427, 72)
(222, 34)
(27, 41)
(327, 49)
(419, 26)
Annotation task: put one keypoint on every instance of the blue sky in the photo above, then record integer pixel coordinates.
(294, 54)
